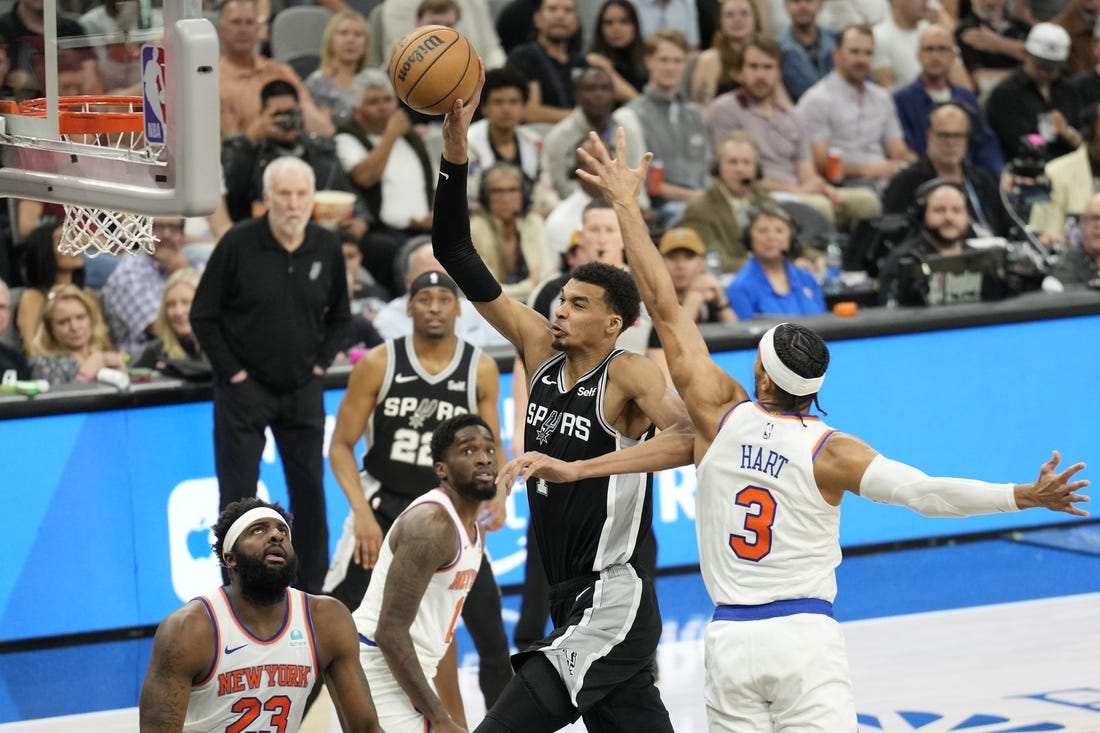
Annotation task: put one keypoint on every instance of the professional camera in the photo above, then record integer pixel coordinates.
(289, 121)
(1030, 183)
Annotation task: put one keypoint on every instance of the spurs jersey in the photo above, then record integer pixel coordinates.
(433, 627)
(765, 532)
(582, 527)
(410, 404)
(255, 684)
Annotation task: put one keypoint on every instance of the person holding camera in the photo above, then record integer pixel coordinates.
(275, 133)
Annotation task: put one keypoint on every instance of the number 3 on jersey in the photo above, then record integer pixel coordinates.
(754, 541)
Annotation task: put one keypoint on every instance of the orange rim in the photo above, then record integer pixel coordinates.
(91, 115)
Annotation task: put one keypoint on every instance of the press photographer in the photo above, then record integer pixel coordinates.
(1072, 179)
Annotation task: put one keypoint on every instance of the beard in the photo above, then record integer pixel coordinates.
(476, 490)
(262, 584)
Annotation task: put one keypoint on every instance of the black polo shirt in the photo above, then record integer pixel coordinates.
(1014, 106)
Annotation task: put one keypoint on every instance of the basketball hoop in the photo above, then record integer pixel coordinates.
(109, 127)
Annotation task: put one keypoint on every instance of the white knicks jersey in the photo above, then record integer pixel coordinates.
(255, 684)
(765, 532)
(441, 605)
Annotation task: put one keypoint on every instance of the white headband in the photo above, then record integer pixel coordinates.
(782, 374)
(243, 521)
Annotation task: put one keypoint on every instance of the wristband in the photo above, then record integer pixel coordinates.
(83, 376)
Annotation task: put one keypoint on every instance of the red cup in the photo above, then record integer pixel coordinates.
(656, 177)
(834, 166)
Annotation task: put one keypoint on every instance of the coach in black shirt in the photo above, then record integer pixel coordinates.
(271, 312)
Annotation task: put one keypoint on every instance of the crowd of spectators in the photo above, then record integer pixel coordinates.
(805, 116)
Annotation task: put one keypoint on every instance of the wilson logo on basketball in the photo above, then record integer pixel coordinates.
(418, 54)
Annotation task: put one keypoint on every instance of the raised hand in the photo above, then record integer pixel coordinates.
(615, 179)
(1054, 490)
(536, 465)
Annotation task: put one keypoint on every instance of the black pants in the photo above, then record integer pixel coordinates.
(534, 605)
(481, 612)
(297, 420)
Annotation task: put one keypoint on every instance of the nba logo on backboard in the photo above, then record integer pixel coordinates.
(155, 93)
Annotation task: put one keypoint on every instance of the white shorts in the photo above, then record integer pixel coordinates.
(396, 713)
(788, 673)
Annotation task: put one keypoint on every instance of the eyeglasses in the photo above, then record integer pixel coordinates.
(732, 13)
(503, 191)
(957, 137)
(938, 49)
(1090, 219)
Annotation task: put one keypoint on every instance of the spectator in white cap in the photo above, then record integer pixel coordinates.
(1037, 99)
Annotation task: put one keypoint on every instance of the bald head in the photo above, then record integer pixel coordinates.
(936, 54)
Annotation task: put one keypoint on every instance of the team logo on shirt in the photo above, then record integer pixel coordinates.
(423, 411)
(549, 426)
(587, 392)
(768, 430)
(456, 385)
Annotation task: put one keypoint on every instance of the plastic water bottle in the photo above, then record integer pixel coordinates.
(834, 260)
(714, 263)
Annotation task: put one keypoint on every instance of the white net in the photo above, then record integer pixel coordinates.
(104, 127)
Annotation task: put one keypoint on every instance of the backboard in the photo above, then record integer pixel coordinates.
(165, 57)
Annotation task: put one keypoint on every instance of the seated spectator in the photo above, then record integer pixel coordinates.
(365, 299)
(70, 343)
(697, 290)
(839, 14)
(897, 38)
(173, 340)
(769, 283)
(596, 111)
(515, 25)
(779, 133)
(618, 49)
(1079, 263)
(472, 18)
(388, 161)
(394, 321)
(945, 158)
(807, 48)
(672, 125)
(991, 42)
(43, 268)
(1073, 180)
(942, 228)
(498, 137)
(720, 213)
(847, 113)
(11, 359)
(108, 26)
(345, 48)
(507, 235)
(1037, 98)
(1078, 18)
(914, 101)
(244, 73)
(133, 293)
(22, 30)
(549, 61)
(276, 132)
(1087, 83)
(716, 70)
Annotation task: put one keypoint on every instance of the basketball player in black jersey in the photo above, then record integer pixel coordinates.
(397, 395)
(591, 413)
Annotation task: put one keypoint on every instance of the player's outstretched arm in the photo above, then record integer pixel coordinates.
(848, 464)
(351, 420)
(183, 651)
(338, 649)
(454, 248)
(699, 380)
(423, 541)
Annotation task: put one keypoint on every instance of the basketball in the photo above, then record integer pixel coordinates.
(433, 66)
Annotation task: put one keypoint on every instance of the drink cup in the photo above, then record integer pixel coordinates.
(834, 166)
(656, 177)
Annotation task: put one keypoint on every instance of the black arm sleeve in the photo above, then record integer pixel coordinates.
(451, 240)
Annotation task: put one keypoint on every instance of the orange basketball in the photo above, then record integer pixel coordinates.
(433, 66)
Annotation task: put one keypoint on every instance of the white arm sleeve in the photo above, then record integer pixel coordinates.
(889, 482)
